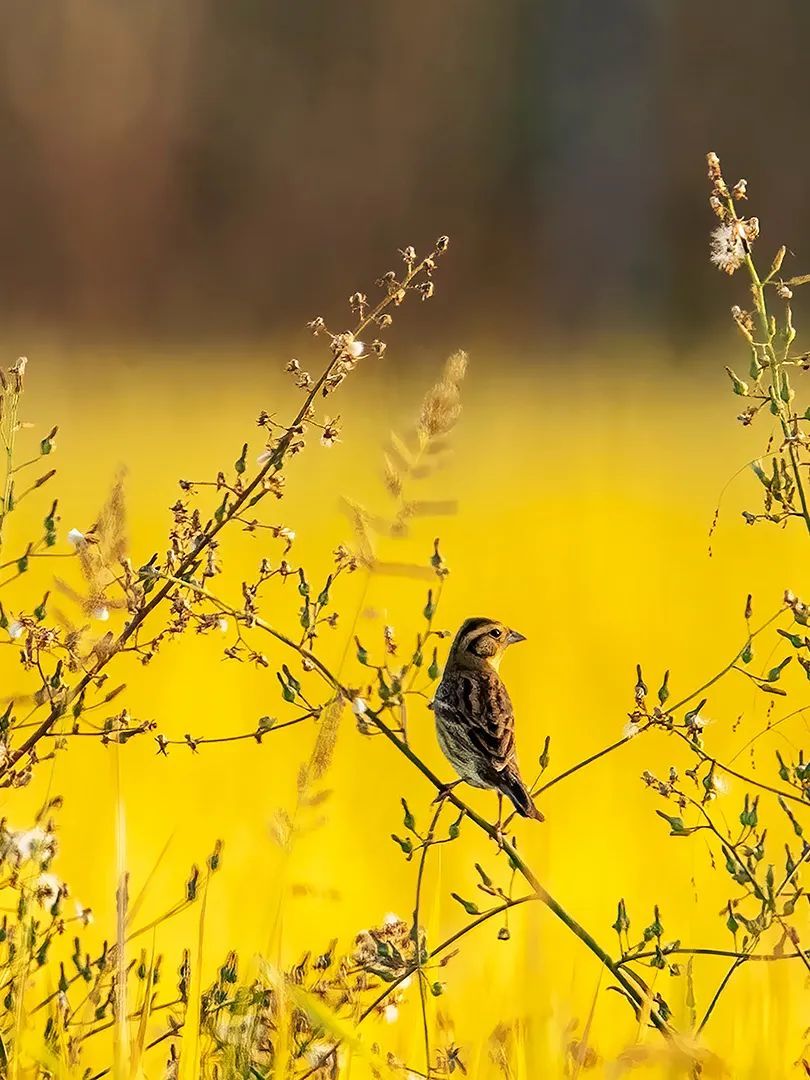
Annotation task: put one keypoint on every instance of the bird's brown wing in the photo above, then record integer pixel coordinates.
(483, 708)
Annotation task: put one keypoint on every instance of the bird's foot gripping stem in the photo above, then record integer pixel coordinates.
(498, 838)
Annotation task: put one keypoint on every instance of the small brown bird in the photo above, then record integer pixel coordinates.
(475, 723)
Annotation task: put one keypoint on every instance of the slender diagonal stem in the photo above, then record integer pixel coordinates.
(631, 991)
(717, 763)
(590, 760)
(729, 953)
(651, 723)
(255, 488)
(390, 987)
(416, 936)
(736, 963)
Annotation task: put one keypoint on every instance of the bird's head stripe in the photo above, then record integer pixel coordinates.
(471, 631)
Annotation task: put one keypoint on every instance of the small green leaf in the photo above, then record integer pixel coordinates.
(663, 690)
(430, 607)
(675, 823)
(775, 672)
(737, 383)
(403, 842)
(731, 922)
(468, 905)
(323, 596)
(622, 924)
(433, 670)
(544, 758)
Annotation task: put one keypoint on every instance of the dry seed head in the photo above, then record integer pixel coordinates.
(393, 480)
(728, 246)
(331, 432)
(716, 175)
(456, 367)
(744, 320)
(717, 207)
(442, 405)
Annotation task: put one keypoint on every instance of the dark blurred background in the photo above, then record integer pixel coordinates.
(199, 168)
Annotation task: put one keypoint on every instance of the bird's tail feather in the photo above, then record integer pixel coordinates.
(514, 788)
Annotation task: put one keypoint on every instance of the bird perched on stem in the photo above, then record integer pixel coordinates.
(475, 723)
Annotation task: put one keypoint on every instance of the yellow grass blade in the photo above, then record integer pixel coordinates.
(581, 1054)
(190, 1053)
(121, 1027)
(135, 906)
(337, 1029)
(139, 1042)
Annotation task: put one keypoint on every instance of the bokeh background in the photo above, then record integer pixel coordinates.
(183, 186)
(196, 169)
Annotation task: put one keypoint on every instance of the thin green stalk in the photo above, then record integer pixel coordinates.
(729, 953)
(390, 987)
(9, 438)
(590, 760)
(775, 368)
(404, 748)
(717, 763)
(719, 991)
(651, 722)
(417, 941)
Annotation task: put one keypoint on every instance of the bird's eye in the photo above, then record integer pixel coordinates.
(495, 632)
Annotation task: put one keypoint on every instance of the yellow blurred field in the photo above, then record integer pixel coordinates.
(585, 500)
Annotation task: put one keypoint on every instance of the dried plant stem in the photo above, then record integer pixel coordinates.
(213, 529)
(775, 366)
(9, 436)
(170, 1033)
(742, 957)
(632, 993)
(389, 987)
(257, 734)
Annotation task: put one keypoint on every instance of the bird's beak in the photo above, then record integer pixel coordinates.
(513, 637)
